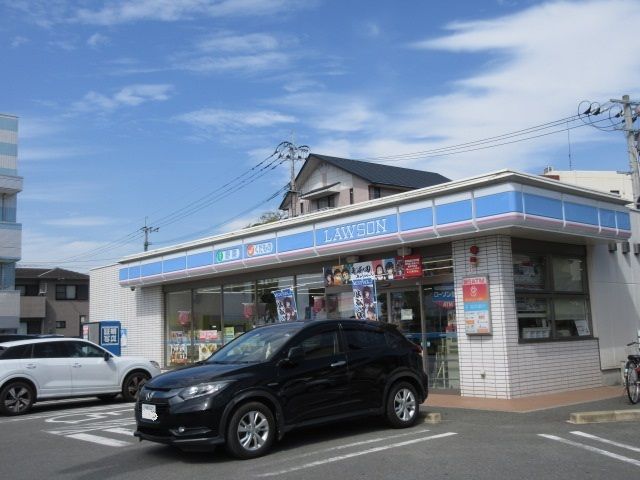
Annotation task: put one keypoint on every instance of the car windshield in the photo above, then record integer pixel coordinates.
(257, 345)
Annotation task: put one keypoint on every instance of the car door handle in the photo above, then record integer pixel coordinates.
(341, 363)
(76, 365)
(30, 366)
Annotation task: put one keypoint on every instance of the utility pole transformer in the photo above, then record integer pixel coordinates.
(147, 231)
(632, 146)
(291, 152)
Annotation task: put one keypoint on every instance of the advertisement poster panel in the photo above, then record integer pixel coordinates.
(286, 305)
(475, 297)
(364, 299)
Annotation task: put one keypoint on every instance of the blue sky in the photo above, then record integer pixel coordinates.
(133, 109)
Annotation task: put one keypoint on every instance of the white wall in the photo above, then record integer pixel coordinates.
(614, 286)
(140, 311)
(497, 365)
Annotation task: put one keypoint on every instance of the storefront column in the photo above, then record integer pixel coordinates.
(484, 359)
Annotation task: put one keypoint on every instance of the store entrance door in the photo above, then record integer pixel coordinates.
(402, 308)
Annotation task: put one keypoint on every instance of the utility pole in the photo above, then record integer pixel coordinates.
(291, 152)
(147, 231)
(632, 146)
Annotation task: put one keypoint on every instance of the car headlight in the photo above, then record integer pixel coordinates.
(202, 389)
(154, 363)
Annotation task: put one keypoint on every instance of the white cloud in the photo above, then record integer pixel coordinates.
(131, 96)
(230, 120)
(80, 222)
(18, 41)
(129, 11)
(96, 40)
(539, 64)
(242, 63)
(229, 42)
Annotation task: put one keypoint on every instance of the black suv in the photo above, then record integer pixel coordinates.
(279, 377)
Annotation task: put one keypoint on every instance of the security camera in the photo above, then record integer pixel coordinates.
(133, 289)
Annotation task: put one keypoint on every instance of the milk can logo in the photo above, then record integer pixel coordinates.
(254, 249)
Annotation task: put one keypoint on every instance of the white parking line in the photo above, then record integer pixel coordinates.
(589, 448)
(121, 431)
(71, 411)
(604, 440)
(350, 445)
(354, 454)
(110, 442)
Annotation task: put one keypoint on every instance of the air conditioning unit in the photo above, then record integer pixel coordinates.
(43, 289)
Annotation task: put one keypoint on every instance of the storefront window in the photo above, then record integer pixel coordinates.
(179, 342)
(551, 297)
(529, 272)
(340, 305)
(267, 311)
(207, 321)
(239, 309)
(436, 266)
(568, 274)
(310, 296)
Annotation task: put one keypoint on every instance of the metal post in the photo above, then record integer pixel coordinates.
(631, 147)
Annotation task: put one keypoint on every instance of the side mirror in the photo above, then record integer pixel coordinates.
(107, 356)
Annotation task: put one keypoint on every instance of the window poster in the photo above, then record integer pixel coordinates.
(475, 297)
(364, 299)
(286, 305)
(393, 268)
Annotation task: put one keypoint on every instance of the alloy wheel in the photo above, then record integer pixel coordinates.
(18, 399)
(253, 430)
(404, 404)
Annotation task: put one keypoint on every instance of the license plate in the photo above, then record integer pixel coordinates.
(149, 412)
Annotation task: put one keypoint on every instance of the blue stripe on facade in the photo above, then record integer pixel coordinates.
(9, 172)
(202, 259)
(123, 274)
(297, 241)
(8, 123)
(624, 221)
(575, 212)
(149, 269)
(8, 149)
(453, 212)
(498, 203)
(134, 272)
(607, 218)
(419, 218)
(174, 264)
(10, 226)
(542, 206)
(359, 230)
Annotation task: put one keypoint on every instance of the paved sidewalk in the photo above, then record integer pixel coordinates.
(525, 404)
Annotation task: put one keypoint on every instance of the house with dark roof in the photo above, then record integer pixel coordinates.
(327, 182)
(52, 300)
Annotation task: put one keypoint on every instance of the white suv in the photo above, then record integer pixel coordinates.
(45, 368)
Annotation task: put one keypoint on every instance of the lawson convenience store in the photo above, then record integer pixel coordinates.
(504, 279)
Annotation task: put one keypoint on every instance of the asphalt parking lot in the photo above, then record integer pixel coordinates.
(90, 439)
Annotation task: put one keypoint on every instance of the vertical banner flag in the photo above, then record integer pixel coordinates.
(475, 296)
(365, 299)
(286, 305)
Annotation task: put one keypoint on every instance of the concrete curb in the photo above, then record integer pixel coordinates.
(430, 417)
(605, 416)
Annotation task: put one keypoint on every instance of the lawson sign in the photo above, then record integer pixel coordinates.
(360, 230)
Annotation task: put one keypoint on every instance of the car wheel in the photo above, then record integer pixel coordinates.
(251, 431)
(132, 384)
(16, 398)
(402, 405)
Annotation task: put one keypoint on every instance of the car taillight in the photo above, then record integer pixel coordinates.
(416, 348)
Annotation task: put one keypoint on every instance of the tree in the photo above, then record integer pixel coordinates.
(269, 217)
